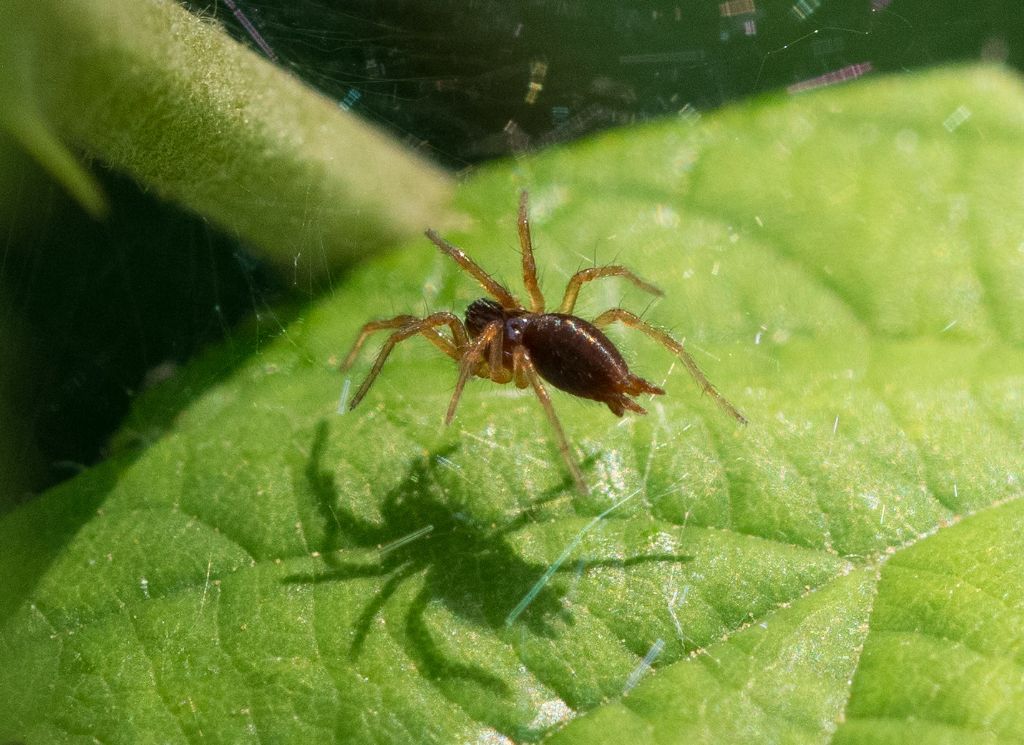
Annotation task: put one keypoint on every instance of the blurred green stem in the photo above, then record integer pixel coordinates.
(169, 98)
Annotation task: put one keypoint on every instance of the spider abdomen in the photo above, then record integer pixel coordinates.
(575, 356)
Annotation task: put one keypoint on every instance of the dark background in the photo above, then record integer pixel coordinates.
(452, 76)
(104, 308)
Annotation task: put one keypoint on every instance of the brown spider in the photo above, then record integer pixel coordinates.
(506, 342)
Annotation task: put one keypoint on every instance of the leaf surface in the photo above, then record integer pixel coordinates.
(847, 269)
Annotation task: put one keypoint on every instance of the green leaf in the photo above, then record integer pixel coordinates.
(845, 265)
(169, 98)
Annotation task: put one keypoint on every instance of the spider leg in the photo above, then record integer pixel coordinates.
(572, 289)
(628, 319)
(496, 359)
(519, 373)
(529, 265)
(496, 289)
(471, 356)
(397, 322)
(424, 326)
(523, 368)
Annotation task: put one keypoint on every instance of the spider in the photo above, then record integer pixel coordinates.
(503, 340)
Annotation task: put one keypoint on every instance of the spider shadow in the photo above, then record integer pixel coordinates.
(467, 566)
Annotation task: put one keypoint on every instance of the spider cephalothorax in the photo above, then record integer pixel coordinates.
(503, 340)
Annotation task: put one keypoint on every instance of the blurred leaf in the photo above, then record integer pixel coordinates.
(172, 100)
(845, 265)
